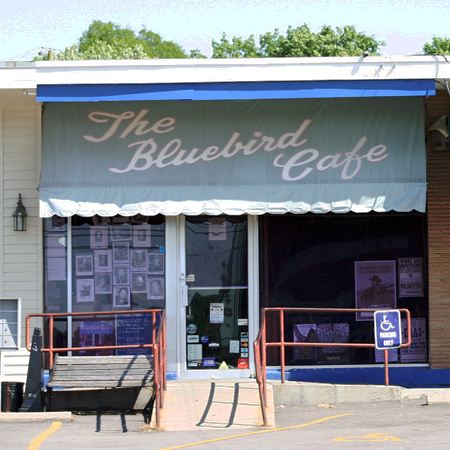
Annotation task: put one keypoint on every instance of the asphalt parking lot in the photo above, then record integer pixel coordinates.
(400, 425)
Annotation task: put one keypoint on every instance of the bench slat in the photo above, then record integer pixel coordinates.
(103, 367)
(100, 377)
(111, 372)
(95, 384)
(87, 360)
(102, 371)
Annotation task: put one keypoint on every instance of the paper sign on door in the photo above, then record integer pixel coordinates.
(216, 312)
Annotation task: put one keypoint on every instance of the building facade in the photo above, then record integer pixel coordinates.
(215, 188)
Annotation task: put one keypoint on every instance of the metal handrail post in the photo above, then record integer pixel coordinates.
(264, 355)
(50, 340)
(157, 386)
(282, 349)
(386, 367)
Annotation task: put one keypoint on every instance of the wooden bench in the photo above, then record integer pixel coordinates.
(100, 373)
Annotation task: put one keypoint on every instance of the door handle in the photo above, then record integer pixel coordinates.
(184, 295)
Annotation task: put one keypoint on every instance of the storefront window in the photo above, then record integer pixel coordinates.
(117, 264)
(349, 261)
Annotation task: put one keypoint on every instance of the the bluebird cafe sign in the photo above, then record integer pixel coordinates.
(336, 152)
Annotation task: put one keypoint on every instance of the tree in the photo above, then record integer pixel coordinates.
(107, 40)
(300, 41)
(438, 45)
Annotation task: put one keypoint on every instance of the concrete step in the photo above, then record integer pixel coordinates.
(303, 393)
(213, 404)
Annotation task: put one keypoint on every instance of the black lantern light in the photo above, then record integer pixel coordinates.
(20, 216)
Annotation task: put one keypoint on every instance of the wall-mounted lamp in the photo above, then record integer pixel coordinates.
(20, 216)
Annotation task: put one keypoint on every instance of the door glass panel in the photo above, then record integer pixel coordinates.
(217, 291)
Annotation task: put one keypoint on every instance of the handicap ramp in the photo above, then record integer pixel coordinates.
(213, 404)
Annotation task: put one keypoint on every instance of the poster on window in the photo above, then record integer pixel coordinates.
(392, 355)
(338, 333)
(85, 290)
(417, 351)
(305, 332)
(375, 286)
(97, 334)
(99, 237)
(141, 235)
(133, 330)
(410, 277)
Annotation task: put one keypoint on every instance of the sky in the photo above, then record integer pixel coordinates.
(405, 25)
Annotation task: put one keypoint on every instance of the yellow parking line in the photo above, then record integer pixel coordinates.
(256, 432)
(37, 441)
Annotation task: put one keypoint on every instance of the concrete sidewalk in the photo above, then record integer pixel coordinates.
(234, 404)
(213, 404)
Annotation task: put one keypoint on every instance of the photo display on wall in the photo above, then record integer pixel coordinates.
(118, 264)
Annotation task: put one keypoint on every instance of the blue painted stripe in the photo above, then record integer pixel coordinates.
(234, 91)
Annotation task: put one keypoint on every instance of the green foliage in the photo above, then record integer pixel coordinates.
(107, 40)
(196, 54)
(438, 45)
(237, 48)
(299, 42)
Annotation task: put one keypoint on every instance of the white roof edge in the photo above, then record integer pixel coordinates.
(18, 76)
(242, 70)
(224, 70)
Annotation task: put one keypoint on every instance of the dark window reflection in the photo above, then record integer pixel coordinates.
(309, 261)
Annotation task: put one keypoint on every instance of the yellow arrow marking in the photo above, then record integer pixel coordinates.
(373, 437)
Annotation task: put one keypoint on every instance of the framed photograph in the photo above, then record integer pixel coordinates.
(103, 283)
(99, 237)
(84, 265)
(103, 260)
(121, 296)
(156, 263)
(120, 233)
(56, 223)
(142, 235)
(121, 274)
(138, 259)
(138, 282)
(85, 290)
(121, 252)
(155, 288)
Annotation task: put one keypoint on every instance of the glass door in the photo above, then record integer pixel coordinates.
(216, 295)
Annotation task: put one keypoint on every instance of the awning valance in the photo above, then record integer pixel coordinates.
(233, 157)
(235, 91)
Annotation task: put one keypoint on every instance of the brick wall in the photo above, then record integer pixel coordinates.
(438, 208)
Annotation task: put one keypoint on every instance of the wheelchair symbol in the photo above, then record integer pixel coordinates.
(386, 325)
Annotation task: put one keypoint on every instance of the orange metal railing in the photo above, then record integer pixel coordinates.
(260, 345)
(158, 344)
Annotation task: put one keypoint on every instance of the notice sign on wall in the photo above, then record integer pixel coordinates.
(410, 275)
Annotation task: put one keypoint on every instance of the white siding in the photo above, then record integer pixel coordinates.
(21, 255)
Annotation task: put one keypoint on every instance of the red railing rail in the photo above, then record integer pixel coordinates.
(158, 344)
(260, 345)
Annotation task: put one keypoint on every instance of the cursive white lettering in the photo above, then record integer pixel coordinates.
(294, 166)
(294, 162)
(161, 126)
(138, 155)
(97, 117)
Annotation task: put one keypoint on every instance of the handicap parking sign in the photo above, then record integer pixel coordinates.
(388, 333)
